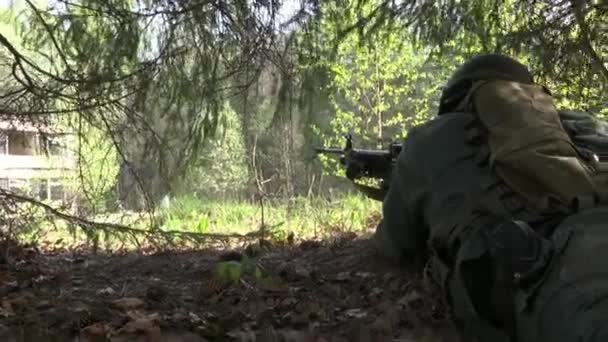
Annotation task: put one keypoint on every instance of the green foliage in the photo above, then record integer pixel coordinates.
(222, 167)
(234, 271)
(565, 43)
(186, 215)
(153, 81)
(302, 216)
(379, 88)
(97, 165)
(385, 70)
(153, 75)
(229, 271)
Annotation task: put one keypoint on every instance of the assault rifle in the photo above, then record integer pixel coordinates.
(360, 163)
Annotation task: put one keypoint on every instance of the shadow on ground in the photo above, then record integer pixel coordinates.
(316, 291)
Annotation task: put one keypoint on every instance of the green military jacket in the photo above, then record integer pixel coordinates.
(434, 173)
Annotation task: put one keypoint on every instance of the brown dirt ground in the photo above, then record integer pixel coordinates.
(334, 290)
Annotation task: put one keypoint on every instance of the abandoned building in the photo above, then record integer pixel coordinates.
(34, 160)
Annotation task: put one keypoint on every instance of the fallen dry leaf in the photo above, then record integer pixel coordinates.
(364, 275)
(359, 332)
(387, 322)
(355, 313)
(11, 284)
(94, 333)
(242, 336)
(290, 335)
(128, 303)
(156, 292)
(194, 318)
(288, 302)
(107, 291)
(43, 305)
(267, 334)
(137, 315)
(302, 271)
(21, 301)
(210, 287)
(7, 309)
(41, 278)
(143, 326)
(182, 337)
(410, 298)
(343, 276)
(139, 325)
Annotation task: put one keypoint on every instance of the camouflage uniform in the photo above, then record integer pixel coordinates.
(510, 272)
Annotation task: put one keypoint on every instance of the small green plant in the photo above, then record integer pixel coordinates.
(234, 271)
(229, 271)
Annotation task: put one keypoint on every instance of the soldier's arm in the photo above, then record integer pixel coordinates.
(583, 123)
(586, 131)
(402, 234)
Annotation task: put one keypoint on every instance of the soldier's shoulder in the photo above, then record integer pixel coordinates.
(454, 122)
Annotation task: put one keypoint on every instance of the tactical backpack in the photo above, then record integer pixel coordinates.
(532, 172)
(529, 149)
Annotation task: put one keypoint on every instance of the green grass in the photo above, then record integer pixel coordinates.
(304, 217)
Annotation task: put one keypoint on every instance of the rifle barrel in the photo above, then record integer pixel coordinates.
(329, 150)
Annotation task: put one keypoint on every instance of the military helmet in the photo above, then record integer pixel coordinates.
(478, 68)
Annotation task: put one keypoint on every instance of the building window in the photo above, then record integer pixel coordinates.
(21, 143)
(56, 147)
(3, 143)
(57, 191)
(51, 145)
(19, 186)
(40, 188)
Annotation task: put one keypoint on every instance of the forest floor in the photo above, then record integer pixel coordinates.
(332, 290)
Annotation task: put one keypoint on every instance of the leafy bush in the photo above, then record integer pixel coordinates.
(222, 168)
